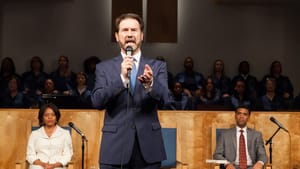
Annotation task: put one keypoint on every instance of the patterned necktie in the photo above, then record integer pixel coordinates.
(242, 152)
(133, 75)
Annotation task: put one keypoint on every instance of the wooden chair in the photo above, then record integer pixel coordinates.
(169, 137)
(172, 143)
(215, 133)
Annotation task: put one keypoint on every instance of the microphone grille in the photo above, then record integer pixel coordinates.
(129, 50)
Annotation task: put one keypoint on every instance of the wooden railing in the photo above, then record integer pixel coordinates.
(195, 139)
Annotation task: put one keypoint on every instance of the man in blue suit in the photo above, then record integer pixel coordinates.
(131, 135)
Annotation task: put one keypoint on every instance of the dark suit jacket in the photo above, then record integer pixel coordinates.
(122, 122)
(227, 145)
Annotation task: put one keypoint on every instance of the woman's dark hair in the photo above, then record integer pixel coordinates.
(273, 66)
(17, 79)
(37, 58)
(43, 109)
(204, 89)
(11, 65)
(214, 66)
(82, 74)
(240, 79)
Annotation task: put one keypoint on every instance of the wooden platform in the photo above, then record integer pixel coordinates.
(196, 137)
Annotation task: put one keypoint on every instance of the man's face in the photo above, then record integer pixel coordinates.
(129, 34)
(241, 117)
(244, 68)
(188, 64)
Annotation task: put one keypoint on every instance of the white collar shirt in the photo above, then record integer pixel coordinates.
(137, 58)
(56, 148)
(238, 133)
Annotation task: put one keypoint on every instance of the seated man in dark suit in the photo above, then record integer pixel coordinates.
(241, 146)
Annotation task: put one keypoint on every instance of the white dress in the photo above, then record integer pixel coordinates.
(57, 148)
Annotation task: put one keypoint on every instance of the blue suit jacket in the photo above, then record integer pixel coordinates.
(121, 121)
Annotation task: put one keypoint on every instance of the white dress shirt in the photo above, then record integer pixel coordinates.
(57, 148)
(137, 58)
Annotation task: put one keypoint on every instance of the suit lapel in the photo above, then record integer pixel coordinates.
(233, 137)
(250, 135)
(141, 66)
(117, 64)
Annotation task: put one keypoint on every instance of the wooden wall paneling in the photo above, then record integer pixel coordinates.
(195, 136)
(124, 6)
(162, 21)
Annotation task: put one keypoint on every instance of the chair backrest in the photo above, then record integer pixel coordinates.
(169, 137)
(218, 133)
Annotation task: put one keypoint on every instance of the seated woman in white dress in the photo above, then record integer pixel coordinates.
(50, 146)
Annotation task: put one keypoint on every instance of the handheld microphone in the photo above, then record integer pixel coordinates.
(77, 130)
(129, 52)
(278, 124)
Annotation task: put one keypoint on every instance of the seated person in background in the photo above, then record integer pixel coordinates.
(241, 146)
(33, 80)
(251, 81)
(179, 99)
(284, 87)
(170, 75)
(8, 69)
(48, 92)
(270, 101)
(239, 96)
(297, 102)
(50, 146)
(221, 81)
(13, 97)
(49, 87)
(191, 80)
(82, 92)
(64, 79)
(209, 96)
(89, 66)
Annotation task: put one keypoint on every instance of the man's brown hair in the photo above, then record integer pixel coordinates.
(132, 16)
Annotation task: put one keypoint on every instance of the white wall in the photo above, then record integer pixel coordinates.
(206, 31)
